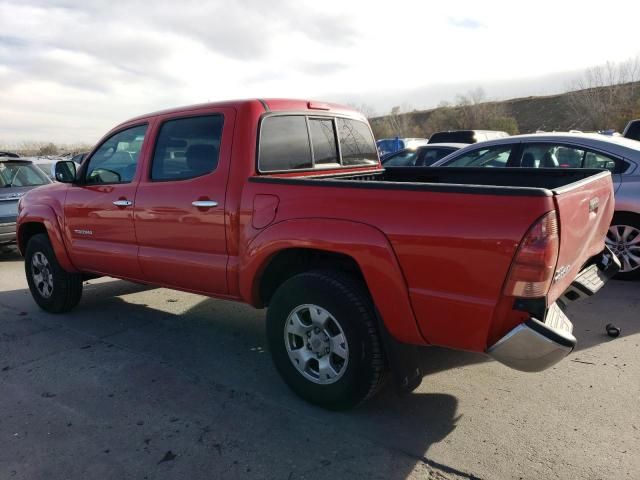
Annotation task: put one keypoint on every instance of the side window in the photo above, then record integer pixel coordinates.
(551, 156)
(323, 139)
(356, 143)
(116, 159)
(431, 156)
(284, 143)
(402, 159)
(187, 148)
(495, 156)
(597, 160)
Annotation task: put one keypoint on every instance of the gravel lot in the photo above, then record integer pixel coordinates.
(144, 383)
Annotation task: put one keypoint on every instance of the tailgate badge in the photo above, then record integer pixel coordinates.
(594, 203)
(561, 272)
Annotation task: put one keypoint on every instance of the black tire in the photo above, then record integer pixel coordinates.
(349, 303)
(67, 287)
(631, 220)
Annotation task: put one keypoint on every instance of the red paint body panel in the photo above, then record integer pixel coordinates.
(365, 244)
(174, 236)
(434, 261)
(101, 236)
(45, 215)
(454, 259)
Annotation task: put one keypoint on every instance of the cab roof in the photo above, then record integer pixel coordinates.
(267, 104)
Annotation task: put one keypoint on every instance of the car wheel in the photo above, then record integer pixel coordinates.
(623, 238)
(54, 289)
(322, 332)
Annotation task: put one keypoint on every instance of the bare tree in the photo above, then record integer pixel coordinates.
(606, 96)
(399, 123)
(366, 109)
(471, 111)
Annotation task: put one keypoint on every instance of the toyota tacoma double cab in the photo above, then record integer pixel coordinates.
(284, 204)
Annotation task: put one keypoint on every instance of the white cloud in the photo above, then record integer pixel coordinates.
(71, 69)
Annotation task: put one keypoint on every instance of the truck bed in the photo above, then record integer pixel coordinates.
(455, 252)
(501, 181)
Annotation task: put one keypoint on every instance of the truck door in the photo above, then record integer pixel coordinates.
(180, 203)
(99, 210)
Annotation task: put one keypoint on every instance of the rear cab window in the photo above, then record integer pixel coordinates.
(307, 142)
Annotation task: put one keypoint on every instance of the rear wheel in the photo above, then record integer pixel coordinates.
(322, 332)
(623, 238)
(54, 289)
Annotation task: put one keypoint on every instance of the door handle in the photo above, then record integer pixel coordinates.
(122, 203)
(204, 203)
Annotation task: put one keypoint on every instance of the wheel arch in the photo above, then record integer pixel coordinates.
(295, 246)
(41, 219)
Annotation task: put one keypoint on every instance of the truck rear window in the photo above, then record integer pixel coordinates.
(299, 142)
(356, 142)
(284, 144)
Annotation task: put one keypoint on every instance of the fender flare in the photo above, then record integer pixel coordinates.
(366, 245)
(44, 214)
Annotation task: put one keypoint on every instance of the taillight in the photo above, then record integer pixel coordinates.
(535, 261)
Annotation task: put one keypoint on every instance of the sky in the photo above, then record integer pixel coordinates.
(72, 69)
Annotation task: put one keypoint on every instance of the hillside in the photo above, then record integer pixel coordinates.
(589, 109)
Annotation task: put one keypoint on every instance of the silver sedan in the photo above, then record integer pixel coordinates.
(575, 150)
(17, 177)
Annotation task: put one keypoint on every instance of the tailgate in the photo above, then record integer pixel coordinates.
(585, 210)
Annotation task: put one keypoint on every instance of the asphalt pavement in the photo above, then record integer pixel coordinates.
(147, 383)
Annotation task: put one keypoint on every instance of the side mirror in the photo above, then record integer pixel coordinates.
(65, 171)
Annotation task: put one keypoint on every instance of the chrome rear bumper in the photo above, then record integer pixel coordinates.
(536, 345)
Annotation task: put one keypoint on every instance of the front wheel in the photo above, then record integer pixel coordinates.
(54, 289)
(322, 332)
(623, 238)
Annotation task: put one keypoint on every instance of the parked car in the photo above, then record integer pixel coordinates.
(424, 156)
(619, 155)
(284, 204)
(79, 157)
(47, 165)
(466, 136)
(9, 154)
(391, 145)
(17, 176)
(632, 130)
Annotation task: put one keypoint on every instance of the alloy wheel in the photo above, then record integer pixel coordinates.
(316, 344)
(624, 241)
(41, 274)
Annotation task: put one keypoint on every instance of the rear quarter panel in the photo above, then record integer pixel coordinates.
(454, 249)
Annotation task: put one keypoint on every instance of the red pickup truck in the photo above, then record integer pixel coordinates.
(284, 204)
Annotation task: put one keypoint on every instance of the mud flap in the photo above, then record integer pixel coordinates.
(404, 361)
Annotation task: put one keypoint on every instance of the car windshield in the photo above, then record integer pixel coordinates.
(19, 174)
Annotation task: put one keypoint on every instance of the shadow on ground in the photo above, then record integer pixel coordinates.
(209, 359)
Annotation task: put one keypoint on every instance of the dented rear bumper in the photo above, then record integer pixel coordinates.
(538, 344)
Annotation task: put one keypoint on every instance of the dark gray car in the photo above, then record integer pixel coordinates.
(17, 177)
(621, 156)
